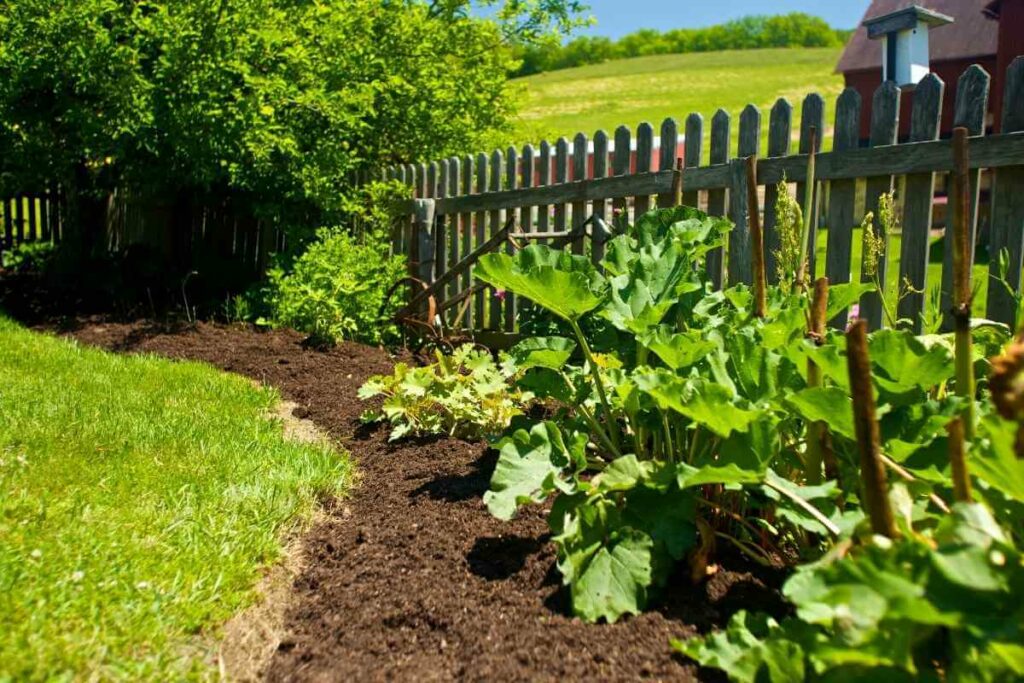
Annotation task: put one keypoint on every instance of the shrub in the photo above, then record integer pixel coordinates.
(336, 289)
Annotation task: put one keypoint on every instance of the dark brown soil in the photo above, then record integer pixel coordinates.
(410, 578)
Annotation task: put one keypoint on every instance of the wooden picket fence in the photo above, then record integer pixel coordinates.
(465, 207)
(31, 217)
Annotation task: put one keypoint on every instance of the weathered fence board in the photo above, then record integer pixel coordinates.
(644, 158)
(1008, 204)
(841, 199)
(691, 154)
(667, 156)
(917, 205)
(885, 112)
(579, 172)
(969, 112)
(780, 123)
(717, 199)
(599, 206)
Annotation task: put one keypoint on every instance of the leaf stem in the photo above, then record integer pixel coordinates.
(616, 435)
(810, 509)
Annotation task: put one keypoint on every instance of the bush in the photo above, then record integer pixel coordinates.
(335, 290)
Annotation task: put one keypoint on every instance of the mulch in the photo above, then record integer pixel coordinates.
(410, 578)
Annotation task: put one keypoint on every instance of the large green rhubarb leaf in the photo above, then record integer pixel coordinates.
(709, 405)
(561, 286)
(751, 648)
(542, 352)
(615, 579)
(530, 468)
(906, 365)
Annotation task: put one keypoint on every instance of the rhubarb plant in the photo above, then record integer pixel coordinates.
(692, 429)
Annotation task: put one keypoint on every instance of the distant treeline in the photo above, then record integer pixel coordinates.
(789, 30)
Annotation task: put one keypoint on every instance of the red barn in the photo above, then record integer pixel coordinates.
(982, 32)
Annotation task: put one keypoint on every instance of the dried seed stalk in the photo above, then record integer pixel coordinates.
(875, 490)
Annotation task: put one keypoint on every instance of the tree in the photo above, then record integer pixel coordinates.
(274, 101)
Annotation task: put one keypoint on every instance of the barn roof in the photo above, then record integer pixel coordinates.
(973, 35)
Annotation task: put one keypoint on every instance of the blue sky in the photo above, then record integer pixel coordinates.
(618, 17)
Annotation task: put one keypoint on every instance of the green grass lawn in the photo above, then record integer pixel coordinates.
(630, 91)
(139, 500)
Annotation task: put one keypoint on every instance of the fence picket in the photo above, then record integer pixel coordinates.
(454, 230)
(917, 203)
(481, 237)
(599, 206)
(544, 179)
(969, 111)
(8, 225)
(579, 172)
(885, 113)
(667, 156)
(780, 123)
(466, 237)
(717, 198)
(644, 159)
(1008, 205)
(842, 195)
(508, 305)
(693, 140)
(740, 263)
(812, 115)
(620, 166)
(496, 220)
(441, 223)
(561, 177)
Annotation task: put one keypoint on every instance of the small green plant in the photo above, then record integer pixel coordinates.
(335, 290)
(466, 395)
(28, 256)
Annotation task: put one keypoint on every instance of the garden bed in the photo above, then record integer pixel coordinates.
(411, 577)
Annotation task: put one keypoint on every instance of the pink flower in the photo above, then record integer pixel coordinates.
(617, 211)
(853, 315)
(499, 294)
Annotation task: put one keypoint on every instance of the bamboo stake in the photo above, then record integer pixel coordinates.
(808, 206)
(962, 279)
(958, 461)
(756, 240)
(817, 432)
(875, 490)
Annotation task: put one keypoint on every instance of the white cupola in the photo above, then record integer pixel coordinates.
(904, 35)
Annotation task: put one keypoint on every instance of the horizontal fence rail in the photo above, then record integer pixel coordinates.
(552, 192)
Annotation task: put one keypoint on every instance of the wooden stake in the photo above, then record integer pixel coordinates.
(962, 279)
(874, 487)
(677, 183)
(756, 240)
(817, 432)
(958, 461)
(805, 237)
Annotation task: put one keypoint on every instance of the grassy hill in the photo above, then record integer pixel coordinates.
(650, 89)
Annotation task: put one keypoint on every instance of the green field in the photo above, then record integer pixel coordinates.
(630, 91)
(139, 501)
